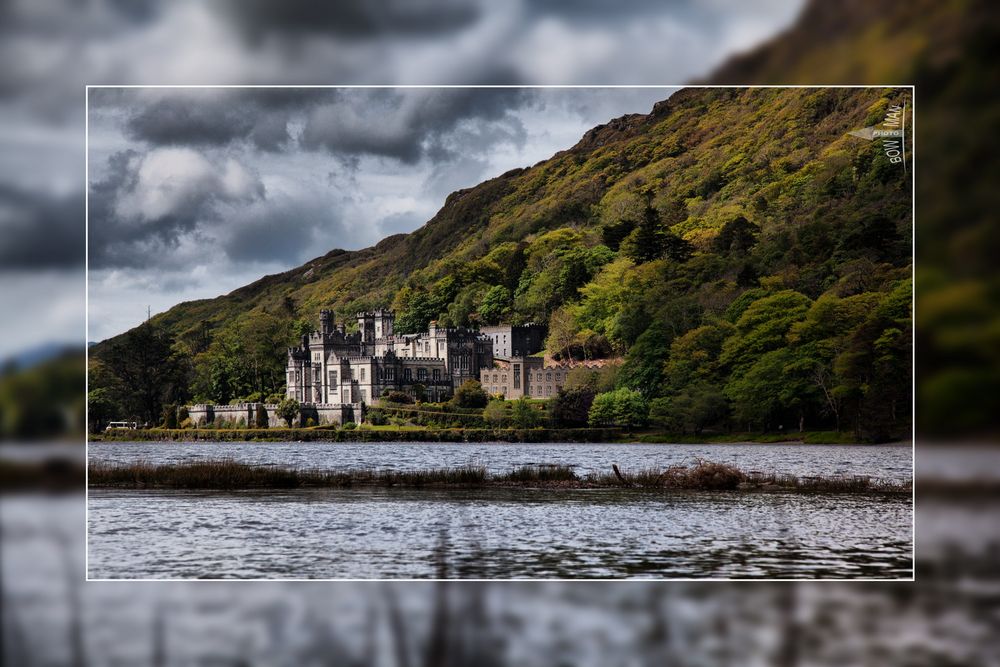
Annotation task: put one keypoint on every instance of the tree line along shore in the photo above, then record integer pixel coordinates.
(574, 415)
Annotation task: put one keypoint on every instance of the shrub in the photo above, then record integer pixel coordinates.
(496, 413)
(310, 422)
(523, 415)
(289, 410)
(396, 396)
(186, 423)
(240, 423)
(350, 426)
(470, 395)
(260, 418)
(622, 407)
(571, 407)
(182, 414)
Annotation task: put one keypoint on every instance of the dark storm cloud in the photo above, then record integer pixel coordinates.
(411, 124)
(173, 121)
(283, 230)
(403, 124)
(138, 11)
(211, 117)
(604, 12)
(147, 203)
(361, 19)
(40, 230)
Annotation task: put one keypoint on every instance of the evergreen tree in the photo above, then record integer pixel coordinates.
(260, 418)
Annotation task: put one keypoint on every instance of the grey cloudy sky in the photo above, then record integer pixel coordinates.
(52, 48)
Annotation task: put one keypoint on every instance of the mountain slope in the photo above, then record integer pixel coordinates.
(715, 154)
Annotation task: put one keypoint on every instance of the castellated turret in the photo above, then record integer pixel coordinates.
(374, 325)
(326, 322)
(383, 322)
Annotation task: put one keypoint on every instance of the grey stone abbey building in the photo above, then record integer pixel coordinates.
(334, 373)
(332, 368)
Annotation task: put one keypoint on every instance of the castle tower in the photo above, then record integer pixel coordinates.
(366, 326)
(384, 320)
(326, 322)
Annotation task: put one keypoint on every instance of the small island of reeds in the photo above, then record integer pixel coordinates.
(700, 476)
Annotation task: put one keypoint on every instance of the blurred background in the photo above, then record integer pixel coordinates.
(50, 49)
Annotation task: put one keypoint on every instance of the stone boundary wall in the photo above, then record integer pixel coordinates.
(321, 414)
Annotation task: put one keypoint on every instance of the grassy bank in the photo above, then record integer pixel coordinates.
(367, 434)
(388, 433)
(702, 476)
(806, 437)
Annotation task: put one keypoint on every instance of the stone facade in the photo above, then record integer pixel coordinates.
(246, 414)
(524, 376)
(515, 340)
(335, 368)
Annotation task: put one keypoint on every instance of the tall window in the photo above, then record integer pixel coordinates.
(407, 375)
(362, 375)
(437, 374)
(517, 376)
(421, 374)
(333, 378)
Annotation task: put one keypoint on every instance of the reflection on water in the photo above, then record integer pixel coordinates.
(496, 533)
(894, 462)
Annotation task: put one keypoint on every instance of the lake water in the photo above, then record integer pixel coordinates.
(495, 534)
(502, 533)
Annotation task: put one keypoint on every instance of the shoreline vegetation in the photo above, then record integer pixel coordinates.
(479, 435)
(703, 475)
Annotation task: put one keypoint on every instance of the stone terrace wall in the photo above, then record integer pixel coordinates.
(202, 414)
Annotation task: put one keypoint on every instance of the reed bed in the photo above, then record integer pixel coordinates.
(701, 476)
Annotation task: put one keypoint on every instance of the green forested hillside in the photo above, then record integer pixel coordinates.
(746, 258)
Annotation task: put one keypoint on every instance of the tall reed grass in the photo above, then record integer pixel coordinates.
(701, 476)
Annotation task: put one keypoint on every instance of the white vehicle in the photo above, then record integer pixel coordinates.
(120, 425)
